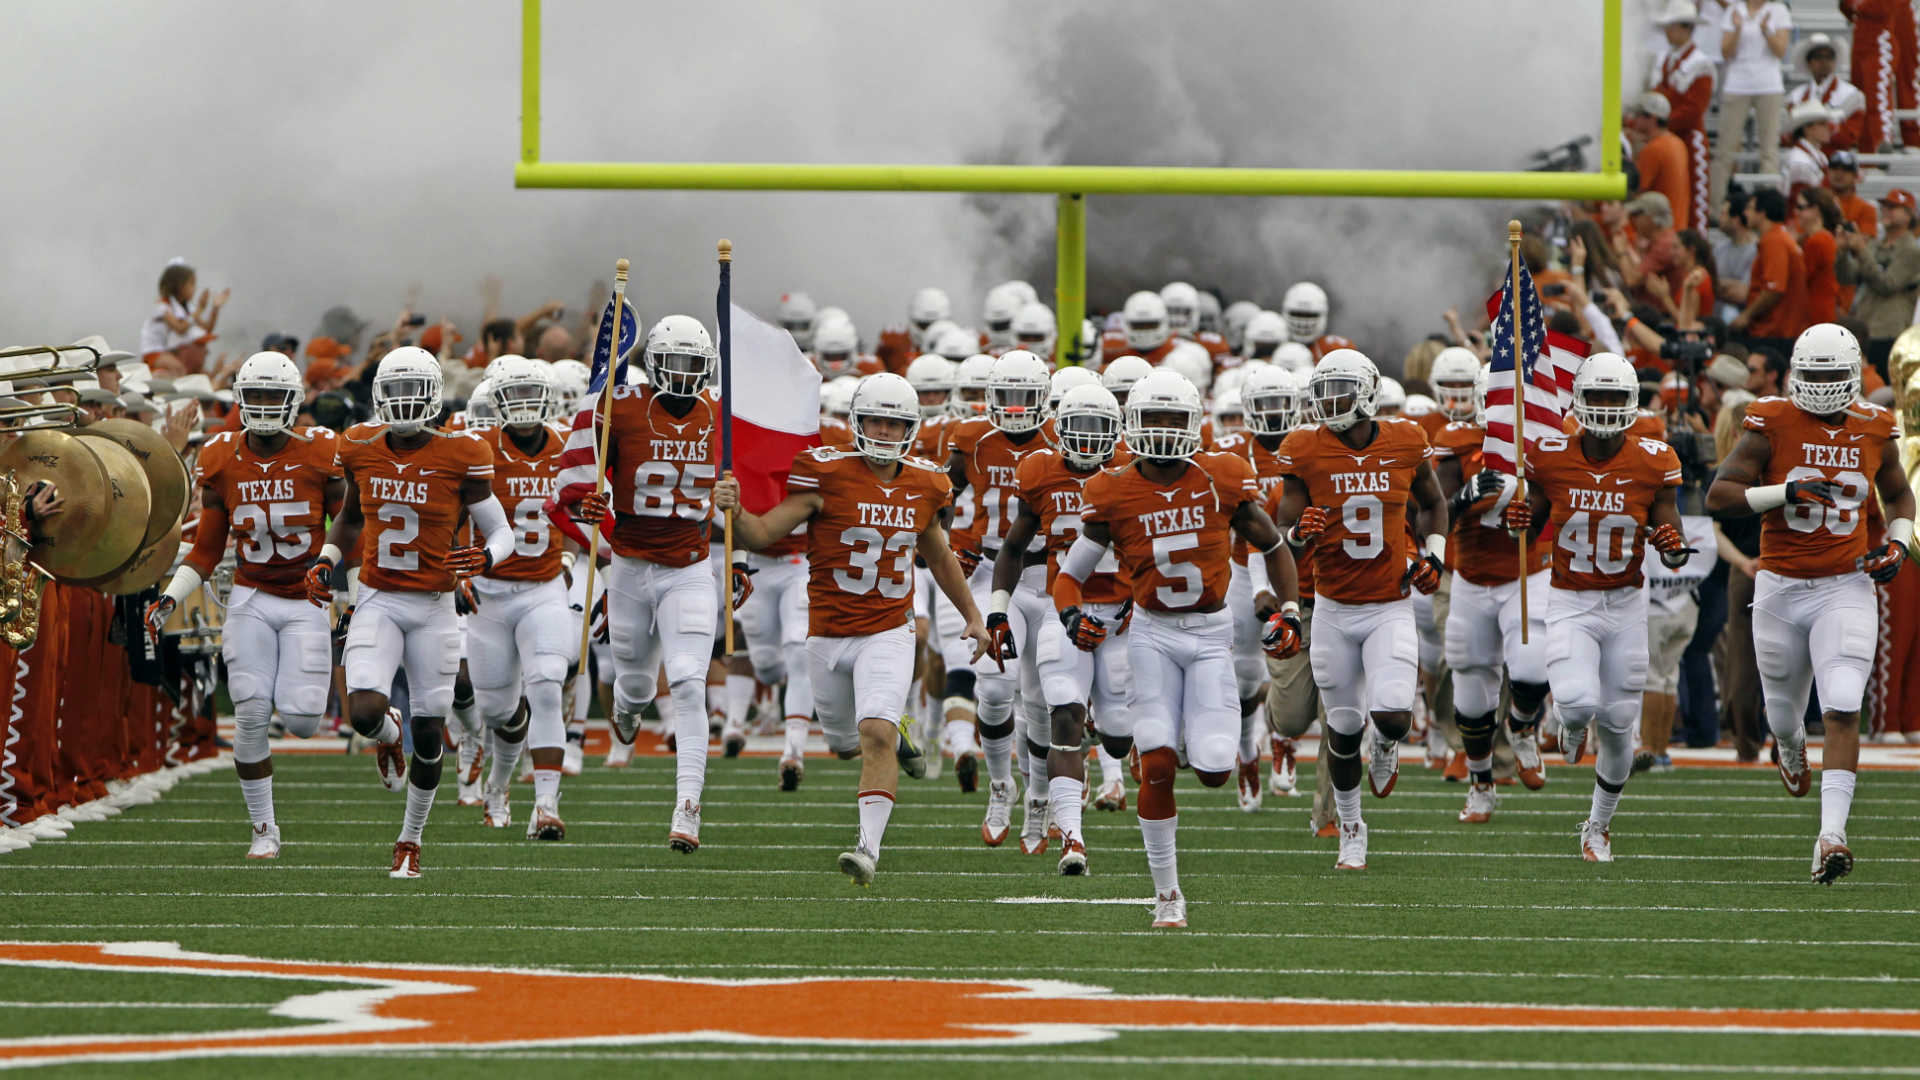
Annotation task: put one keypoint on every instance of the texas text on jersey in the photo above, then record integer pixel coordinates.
(1808, 541)
(1479, 547)
(860, 544)
(662, 469)
(1362, 557)
(1173, 538)
(1266, 472)
(1056, 493)
(276, 507)
(1600, 508)
(989, 458)
(523, 483)
(411, 501)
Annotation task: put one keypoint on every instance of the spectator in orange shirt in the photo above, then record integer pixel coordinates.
(1651, 246)
(1776, 308)
(1843, 179)
(1817, 215)
(1662, 158)
(1694, 302)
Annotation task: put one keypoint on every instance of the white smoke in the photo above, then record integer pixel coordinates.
(361, 152)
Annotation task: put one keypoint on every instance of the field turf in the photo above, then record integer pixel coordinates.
(1707, 907)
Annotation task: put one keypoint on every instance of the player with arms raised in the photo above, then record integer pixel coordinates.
(272, 488)
(408, 486)
(1347, 482)
(1808, 463)
(868, 512)
(1171, 514)
(1607, 496)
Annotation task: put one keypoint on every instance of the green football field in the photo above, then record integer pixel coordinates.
(1460, 950)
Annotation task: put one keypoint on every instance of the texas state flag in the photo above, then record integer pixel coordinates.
(775, 407)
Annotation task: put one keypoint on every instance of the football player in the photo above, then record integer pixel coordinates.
(1608, 496)
(1170, 514)
(868, 513)
(1482, 633)
(1348, 481)
(407, 487)
(1807, 463)
(271, 488)
(1304, 306)
(1050, 485)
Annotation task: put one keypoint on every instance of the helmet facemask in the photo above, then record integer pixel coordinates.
(1341, 400)
(1823, 388)
(1163, 431)
(679, 373)
(406, 401)
(1604, 419)
(1016, 407)
(1086, 439)
(268, 409)
(1271, 411)
(1459, 402)
(523, 402)
(877, 446)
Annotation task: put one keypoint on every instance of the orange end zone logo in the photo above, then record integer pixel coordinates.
(423, 1007)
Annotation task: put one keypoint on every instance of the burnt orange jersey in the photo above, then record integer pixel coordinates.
(1362, 557)
(861, 543)
(411, 502)
(834, 432)
(1055, 492)
(276, 505)
(662, 469)
(1479, 548)
(1326, 343)
(1815, 541)
(1173, 538)
(1431, 423)
(1266, 471)
(523, 483)
(989, 457)
(1599, 507)
(1646, 425)
(930, 441)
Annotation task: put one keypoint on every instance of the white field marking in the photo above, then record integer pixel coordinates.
(468, 928)
(955, 849)
(136, 1005)
(1628, 1067)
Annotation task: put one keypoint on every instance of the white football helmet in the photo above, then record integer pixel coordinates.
(1088, 425)
(830, 314)
(924, 339)
(268, 391)
(1823, 374)
(1119, 376)
(1270, 397)
(1232, 378)
(1034, 329)
(679, 356)
(1305, 308)
(1021, 290)
(1606, 372)
(1342, 389)
(932, 377)
(1228, 413)
(954, 343)
(1455, 376)
(483, 409)
(1295, 357)
(1163, 416)
(1419, 405)
(1389, 397)
(1265, 332)
(970, 389)
(836, 396)
(1146, 318)
(406, 389)
(1235, 320)
(570, 379)
(1067, 379)
(1017, 392)
(796, 317)
(1192, 360)
(836, 348)
(1209, 316)
(883, 397)
(997, 313)
(1183, 307)
(928, 306)
(521, 390)
(493, 366)
(1092, 346)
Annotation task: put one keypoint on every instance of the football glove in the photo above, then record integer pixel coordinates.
(465, 600)
(1813, 493)
(468, 561)
(741, 577)
(1883, 562)
(1282, 636)
(1124, 618)
(1486, 484)
(1313, 521)
(592, 509)
(320, 583)
(1085, 631)
(599, 616)
(1517, 517)
(1423, 574)
(1000, 631)
(969, 561)
(156, 617)
(1671, 543)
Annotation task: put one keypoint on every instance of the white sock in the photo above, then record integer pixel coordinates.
(875, 808)
(470, 746)
(1604, 804)
(1348, 805)
(506, 758)
(546, 786)
(1251, 728)
(1064, 792)
(468, 717)
(999, 751)
(582, 698)
(958, 735)
(796, 737)
(1836, 800)
(1162, 858)
(739, 698)
(1110, 766)
(419, 805)
(259, 796)
(716, 703)
(1037, 770)
(690, 742)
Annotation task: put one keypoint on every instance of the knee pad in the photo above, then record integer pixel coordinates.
(1476, 689)
(427, 731)
(959, 685)
(246, 686)
(995, 690)
(1249, 676)
(1618, 717)
(497, 704)
(1346, 720)
(633, 690)
(250, 721)
(1528, 697)
(1476, 730)
(298, 725)
(1159, 766)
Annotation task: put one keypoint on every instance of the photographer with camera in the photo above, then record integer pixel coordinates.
(1886, 271)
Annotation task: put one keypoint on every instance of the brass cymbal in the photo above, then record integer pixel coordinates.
(146, 568)
(128, 501)
(67, 536)
(167, 480)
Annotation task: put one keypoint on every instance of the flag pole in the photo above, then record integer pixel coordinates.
(724, 319)
(605, 408)
(1519, 411)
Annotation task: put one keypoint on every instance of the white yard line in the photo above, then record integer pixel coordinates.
(137, 1004)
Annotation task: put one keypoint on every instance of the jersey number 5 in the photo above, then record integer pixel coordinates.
(655, 482)
(267, 533)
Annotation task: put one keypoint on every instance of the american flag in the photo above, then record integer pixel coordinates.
(1548, 363)
(580, 461)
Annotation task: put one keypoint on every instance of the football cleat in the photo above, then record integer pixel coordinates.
(391, 761)
(470, 773)
(1456, 771)
(791, 771)
(858, 864)
(469, 792)
(619, 756)
(1831, 859)
(1596, 844)
(912, 761)
(1170, 911)
(1526, 760)
(545, 824)
(993, 829)
(574, 757)
(1286, 777)
(498, 814)
(1480, 803)
(624, 727)
(1033, 826)
(1573, 742)
(1793, 767)
(266, 842)
(1073, 858)
(1324, 831)
(1111, 797)
(1250, 790)
(1383, 768)
(684, 835)
(1353, 847)
(733, 739)
(406, 860)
